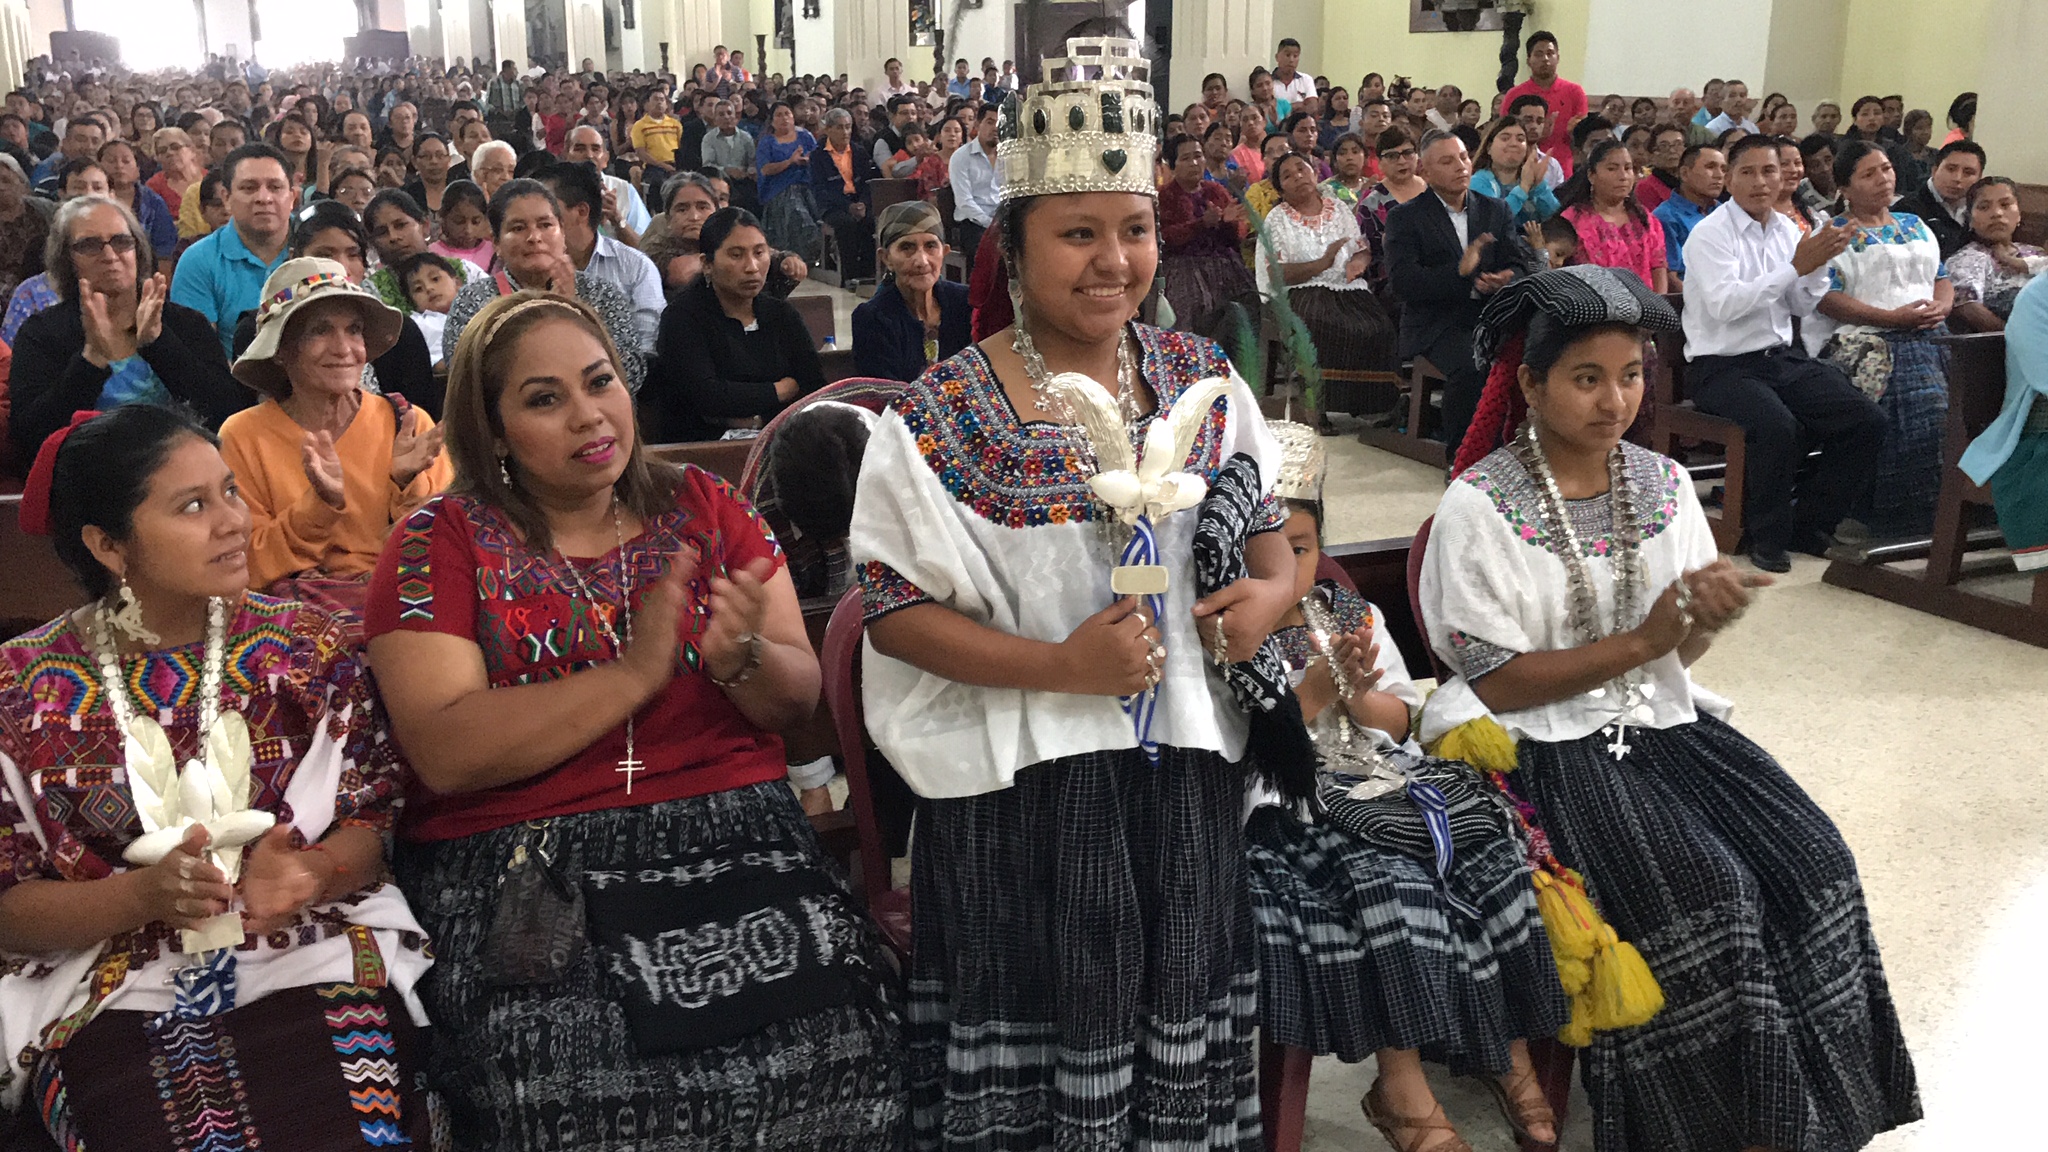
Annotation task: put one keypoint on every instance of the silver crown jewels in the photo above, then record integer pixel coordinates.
(1089, 127)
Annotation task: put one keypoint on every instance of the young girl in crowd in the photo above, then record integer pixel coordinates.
(465, 226)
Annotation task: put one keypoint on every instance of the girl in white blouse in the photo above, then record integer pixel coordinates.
(1570, 583)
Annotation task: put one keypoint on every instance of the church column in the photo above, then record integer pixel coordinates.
(508, 21)
(1227, 36)
(695, 28)
(583, 25)
(868, 32)
(2006, 124)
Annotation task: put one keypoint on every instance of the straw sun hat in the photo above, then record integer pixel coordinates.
(295, 284)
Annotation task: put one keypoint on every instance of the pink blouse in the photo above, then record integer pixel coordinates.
(1635, 246)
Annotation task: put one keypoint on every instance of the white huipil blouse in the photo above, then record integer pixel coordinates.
(1494, 587)
(961, 504)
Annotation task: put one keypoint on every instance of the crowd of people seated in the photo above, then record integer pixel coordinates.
(422, 716)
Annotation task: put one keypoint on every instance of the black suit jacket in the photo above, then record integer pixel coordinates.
(1422, 252)
(828, 188)
(1923, 203)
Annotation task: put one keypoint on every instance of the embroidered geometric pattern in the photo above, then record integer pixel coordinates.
(362, 1038)
(1026, 473)
(200, 1082)
(415, 567)
(1513, 492)
(884, 590)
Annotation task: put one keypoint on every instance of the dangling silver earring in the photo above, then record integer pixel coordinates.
(504, 472)
(128, 617)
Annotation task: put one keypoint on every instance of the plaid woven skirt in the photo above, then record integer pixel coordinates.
(1359, 949)
(1915, 404)
(554, 1066)
(1778, 1028)
(1082, 970)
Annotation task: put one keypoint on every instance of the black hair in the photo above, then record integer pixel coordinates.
(1982, 186)
(816, 460)
(1862, 102)
(1289, 42)
(514, 189)
(531, 164)
(576, 183)
(1556, 229)
(417, 261)
(1528, 100)
(210, 185)
(1579, 192)
(1175, 143)
(463, 192)
(1588, 125)
(257, 150)
(1852, 155)
(1292, 122)
(1538, 37)
(322, 215)
(1963, 109)
(397, 198)
(102, 476)
(419, 138)
(1217, 125)
(1692, 153)
(1751, 144)
(1637, 105)
(724, 223)
(1728, 139)
(1815, 144)
(1967, 148)
(1469, 135)
(70, 168)
(1273, 174)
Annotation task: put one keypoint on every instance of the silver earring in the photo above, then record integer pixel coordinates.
(504, 472)
(128, 617)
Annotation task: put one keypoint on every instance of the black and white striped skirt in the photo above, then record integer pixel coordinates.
(1778, 1028)
(1083, 974)
(1359, 949)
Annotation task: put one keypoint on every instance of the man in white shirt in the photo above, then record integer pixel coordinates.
(974, 183)
(624, 268)
(1289, 82)
(903, 112)
(1735, 108)
(624, 210)
(1444, 116)
(893, 83)
(1747, 274)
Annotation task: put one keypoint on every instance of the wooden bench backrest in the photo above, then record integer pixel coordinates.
(35, 586)
(725, 459)
(887, 191)
(818, 316)
(1976, 378)
(2033, 227)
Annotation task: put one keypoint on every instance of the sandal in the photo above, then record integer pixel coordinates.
(1522, 1112)
(1417, 1127)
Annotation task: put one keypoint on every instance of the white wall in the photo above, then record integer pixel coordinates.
(990, 30)
(227, 26)
(1227, 36)
(508, 19)
(1631, 48)
(1303, 20)
(817, 40)
(869, 32)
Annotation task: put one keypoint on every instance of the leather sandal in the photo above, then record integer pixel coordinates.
(1522, 1111)
(1418, 1128)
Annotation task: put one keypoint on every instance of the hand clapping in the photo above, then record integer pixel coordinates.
(739, 610)
(412, 451)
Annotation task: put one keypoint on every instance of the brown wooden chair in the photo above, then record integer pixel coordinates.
(819, 316)
(35, 587)
(725, 459)
(1976, 392)
(885, 192)
(1424, 380)
(1676, 419)
(888, 905)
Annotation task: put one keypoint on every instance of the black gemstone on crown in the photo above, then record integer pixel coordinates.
(1076, 118)
(1113, 112)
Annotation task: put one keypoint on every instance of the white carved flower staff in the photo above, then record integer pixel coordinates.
(211, 791)
(1139, 491)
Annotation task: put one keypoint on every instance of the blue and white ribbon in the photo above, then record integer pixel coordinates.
(1429, 799)
(1144, 549)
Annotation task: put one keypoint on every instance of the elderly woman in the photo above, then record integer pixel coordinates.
(491, 166)
(1990, 270)
(916, 318)
(526, 227)
(329, 231)
(1201, 235)
(728, 355)
(325, 467)
(626, 607)
(1890, 298)
(431, 160)
(180, 165)
(1570, 585)
(229, 959)
(1083, 970)
(112, 338)
(1313, 252)
(840, 171)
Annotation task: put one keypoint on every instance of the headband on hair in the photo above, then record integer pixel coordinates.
(35, 495)
(545, 300)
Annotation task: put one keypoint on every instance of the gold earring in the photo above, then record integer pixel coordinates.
(128, 617)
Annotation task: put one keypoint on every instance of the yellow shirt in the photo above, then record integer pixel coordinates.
(294, 530)
(658, 139)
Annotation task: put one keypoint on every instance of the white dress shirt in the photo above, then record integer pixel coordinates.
(974, 185)
(632, 209)
(1296, 90)
(637, 279)
(1724, 122)
(1458, 218)
(1741, 291)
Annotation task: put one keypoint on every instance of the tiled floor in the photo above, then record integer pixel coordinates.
(1927, 741)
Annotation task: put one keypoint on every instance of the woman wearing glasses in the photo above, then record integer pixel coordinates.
(112, 338)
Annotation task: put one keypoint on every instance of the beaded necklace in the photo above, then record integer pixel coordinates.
(1629, 577)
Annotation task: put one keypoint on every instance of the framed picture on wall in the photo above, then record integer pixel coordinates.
(924, 25)
(1453, 16)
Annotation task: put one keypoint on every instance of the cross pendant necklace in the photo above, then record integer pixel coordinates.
(630, 764)
(1617, 747)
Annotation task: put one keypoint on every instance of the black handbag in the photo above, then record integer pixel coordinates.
(539, 930)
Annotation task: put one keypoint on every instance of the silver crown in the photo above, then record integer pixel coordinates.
(1303, 462)
(1089, 127)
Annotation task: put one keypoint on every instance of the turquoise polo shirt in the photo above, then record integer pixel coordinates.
(219, 278)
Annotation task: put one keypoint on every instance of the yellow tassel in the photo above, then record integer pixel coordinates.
(1622, 991)
(1481, 742)
(1578, 1033)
